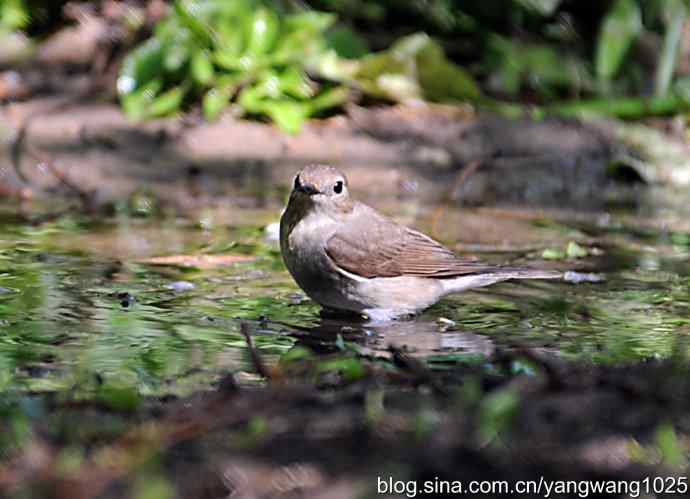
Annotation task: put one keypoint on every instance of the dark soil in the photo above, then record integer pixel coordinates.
(306, 432)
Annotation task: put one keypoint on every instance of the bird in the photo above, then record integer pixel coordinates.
(348, 257)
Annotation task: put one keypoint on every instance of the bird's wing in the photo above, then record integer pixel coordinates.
(371, 245)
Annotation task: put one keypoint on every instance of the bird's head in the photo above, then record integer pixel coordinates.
(322, 187)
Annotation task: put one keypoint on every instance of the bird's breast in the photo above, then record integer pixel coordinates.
(303, 247)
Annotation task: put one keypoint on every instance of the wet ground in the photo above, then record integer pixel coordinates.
(147, 306)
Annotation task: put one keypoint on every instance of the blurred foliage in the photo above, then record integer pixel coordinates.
(36, 17)
(245, 51)
(284, 65)
(549, 50)
(414, 68)
(287, 60)
(13, 14)
(620, 27)
(512, 66)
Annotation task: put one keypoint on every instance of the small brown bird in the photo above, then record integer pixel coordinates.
(347, 256)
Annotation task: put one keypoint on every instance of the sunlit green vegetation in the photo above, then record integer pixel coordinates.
(289, 63)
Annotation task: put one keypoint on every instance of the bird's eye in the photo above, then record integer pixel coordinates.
(296, 185)
(338, 187)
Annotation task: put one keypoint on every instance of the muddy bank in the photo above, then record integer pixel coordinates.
(67, 145)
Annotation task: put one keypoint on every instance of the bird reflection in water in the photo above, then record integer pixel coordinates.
(417, 337)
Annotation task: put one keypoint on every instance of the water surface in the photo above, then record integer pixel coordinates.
(86, 304)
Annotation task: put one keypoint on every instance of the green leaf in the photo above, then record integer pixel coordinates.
(675, 16)
(251, 99)
(669, 446)
(294, 82)
(302, 38)
(202, 68)
(187, 13)
(227, 60)
(168, 102)
(621, 25)
(231, 30)
(215, 101)
(288, 115)
(141, 66)
(135, 104)
(175, 56)
(263, 31)
(552, 254)
(310, 21)
(574, 250)
(333, 97)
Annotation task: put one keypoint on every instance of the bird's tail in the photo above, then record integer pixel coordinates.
(470, 281)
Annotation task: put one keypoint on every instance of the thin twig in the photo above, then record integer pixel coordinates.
(19, 145)
(16, 152)
(454, 191)
(257, 361)
(464, 176)
(86, 197)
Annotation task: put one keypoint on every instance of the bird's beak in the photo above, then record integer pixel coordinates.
(307, 189)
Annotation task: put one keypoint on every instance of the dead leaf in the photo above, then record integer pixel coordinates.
(198, 261)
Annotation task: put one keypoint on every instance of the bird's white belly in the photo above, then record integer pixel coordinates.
(390, 297)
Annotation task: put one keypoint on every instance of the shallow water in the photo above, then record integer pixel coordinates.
(83, 306)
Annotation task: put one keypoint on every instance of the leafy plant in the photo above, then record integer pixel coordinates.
(245, 51)
(266, 61)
